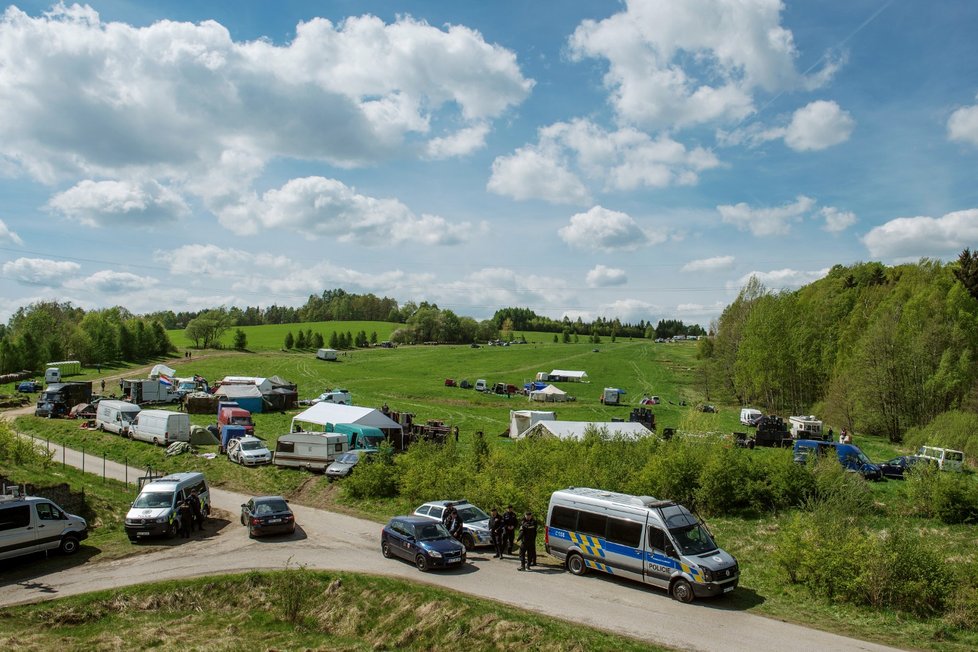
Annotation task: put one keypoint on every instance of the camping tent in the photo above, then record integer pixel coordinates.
(248, 397)
(576, 429)
(201, 436)
(520, 420)
(263, 384)
(324, 415)
(566, 375)
(548, 394)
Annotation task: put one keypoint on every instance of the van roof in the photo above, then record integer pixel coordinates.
(615, 497)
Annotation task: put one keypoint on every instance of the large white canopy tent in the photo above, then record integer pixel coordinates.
(577, 429)
(323, 414)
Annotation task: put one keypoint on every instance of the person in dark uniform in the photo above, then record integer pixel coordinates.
(185, 515)
(528, 541)
(497, 532)
(509, 523)
(196, 511)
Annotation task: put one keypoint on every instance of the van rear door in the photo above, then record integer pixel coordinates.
(18, 536)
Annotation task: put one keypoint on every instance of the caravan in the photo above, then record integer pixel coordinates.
(116, 416)
(656, 542)
(309, 450)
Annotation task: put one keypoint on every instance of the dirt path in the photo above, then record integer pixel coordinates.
(328, 540)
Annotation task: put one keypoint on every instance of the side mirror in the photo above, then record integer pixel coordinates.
(671, 551)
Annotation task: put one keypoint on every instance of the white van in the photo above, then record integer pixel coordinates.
(481, 385)
(749, 416)
(310, 450)
(52, 375)
(116, 416)
(154, 512)
(947, 459)
(641, 538)
(160, 427)
(30, 524)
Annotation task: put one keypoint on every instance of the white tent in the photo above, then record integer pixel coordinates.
(162, 370)
(548, 394)
(568, 375)
(520, 420)
(322, 414)
(576, 429)
(264, 385)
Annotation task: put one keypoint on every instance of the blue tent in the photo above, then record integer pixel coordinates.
(247, 397)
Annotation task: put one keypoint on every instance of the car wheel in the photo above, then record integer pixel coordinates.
(576, 565)
(171, 530)
(69, 545)
(682, 591)
(385, 550)
(468, 541)
(156, 441)
(251, 533)
(422, 562)
(101, 427)
(243, 521)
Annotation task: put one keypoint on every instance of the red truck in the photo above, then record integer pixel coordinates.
(231, 414)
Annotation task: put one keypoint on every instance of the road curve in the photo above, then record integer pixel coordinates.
(328, 540)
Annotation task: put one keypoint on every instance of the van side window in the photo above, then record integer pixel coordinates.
(657, 538)
(588, 523)
(284, 447)
(564, 518)
(48, 512)
(15, 517)
(627, 533)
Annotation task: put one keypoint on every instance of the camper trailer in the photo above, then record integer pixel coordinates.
(313, 451)
(326, 354)
(806, 428)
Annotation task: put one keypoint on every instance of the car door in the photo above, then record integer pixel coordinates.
(17, 533)
(398, 539)
(247, 510)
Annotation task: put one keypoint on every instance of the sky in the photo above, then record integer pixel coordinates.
(581, 158)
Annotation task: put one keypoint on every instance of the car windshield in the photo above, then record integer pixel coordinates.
(252, 445)
(241, 421)
(471, 513)
(861, 456)
(432, 532)
(348, 458)
(154, 499)
(271, 507)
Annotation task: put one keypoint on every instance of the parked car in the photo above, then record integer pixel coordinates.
(849, 456)
(346, 462)
(425, 542)
(249, 451)
(30, 386)
(898, 466)
(338, 396)
(475, 522)
(946, 458)
(267, 515)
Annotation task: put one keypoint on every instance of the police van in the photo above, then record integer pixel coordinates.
(656, 542)
(154, 512)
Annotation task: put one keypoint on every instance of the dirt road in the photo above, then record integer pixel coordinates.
(328, 540)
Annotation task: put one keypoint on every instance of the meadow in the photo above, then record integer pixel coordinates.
(271, 337)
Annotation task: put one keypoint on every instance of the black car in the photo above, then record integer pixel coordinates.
(425, 542)
(267, 515)
(898, 466)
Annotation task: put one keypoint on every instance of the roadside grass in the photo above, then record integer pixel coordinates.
(293, 609)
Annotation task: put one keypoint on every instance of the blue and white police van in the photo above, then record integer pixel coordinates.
(652, 541)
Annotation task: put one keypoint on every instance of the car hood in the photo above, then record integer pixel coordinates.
(444, 546)
(340, 466)
(716, 560)
(482, 525)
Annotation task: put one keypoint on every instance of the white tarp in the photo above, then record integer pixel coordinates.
(569, 374)
(321, 414)
(521, 420)
(264, 385)
(162, 370)
(576, 429)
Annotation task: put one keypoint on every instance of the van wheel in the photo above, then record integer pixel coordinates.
(101, 427)
(156, 442)
(171, 530)
(681, 591)
(468, 541)
(575, 564)
(69, 545)
(130, 435)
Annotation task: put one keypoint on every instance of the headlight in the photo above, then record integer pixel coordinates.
(707, 574)
(162, 519)
(434, 553)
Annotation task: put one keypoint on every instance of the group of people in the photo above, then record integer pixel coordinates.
(190, 514)
(505, 530)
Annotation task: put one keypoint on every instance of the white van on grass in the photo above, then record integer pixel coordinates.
(154, 512)
(946, 458)
(160, 427)
(652, 541)
(116, 416)
(30, 524)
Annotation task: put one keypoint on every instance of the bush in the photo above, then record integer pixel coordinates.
(954, 429)
(950, 497)
(374, 476)
(19, 450)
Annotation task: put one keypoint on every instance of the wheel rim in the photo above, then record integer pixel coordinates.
(682, 591)
(386, 550)
(69, 546)
(422, 563)
(576, 564)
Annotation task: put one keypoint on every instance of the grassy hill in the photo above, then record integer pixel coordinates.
(271, 337)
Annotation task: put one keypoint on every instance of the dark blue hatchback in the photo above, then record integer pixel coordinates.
(420, 540)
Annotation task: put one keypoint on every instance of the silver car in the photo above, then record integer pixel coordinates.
(343, 466)
(475, 522)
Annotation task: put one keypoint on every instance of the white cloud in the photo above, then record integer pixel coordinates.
(626, 159)
(7, 234)
(114, 203)
(630, 310)
(910, 238)
(780, 279)
(683, 63)
(766, 221)
(817, 126)
(836, 220)
(111, 282)
(715, 264)
(601, 276)
(320, 207)
(530, 173)
(463, 142)
(962, 126)
(605, 230)
(222, 262)
(40, 271)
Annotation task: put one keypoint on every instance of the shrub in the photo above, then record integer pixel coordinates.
(950, 497)
(954, 429)
(374, 476)
(295, 587)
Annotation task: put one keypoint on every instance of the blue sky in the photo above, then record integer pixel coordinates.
(638, 160)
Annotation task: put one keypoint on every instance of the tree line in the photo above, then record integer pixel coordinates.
(874, 348)
(47, 331)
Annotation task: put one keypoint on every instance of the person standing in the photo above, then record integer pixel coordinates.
(196, 511)
(496, 532)
(528, 541)
(509, 523)
(185, 516)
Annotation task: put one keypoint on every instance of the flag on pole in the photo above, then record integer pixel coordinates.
(165, 381)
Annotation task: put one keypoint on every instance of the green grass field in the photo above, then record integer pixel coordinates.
(271, 337)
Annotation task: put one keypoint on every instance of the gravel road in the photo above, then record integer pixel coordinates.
(328, 540)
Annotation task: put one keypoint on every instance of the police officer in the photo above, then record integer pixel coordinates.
(185, 515)
(454, 524)
(196, 511)
(528, 541)
(496, 532)
(509, 523)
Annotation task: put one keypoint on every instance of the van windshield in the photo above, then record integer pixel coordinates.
(689, 534)
(127, 417)
(154, 500)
